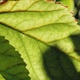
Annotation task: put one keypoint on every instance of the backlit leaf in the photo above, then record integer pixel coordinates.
(43, 33)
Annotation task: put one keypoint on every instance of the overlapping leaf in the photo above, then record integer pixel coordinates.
(1, 78)
(12, 66)
(42, 32)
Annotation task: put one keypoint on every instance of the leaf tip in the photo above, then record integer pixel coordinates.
(76, 20)
(72, 12)
(57, 3)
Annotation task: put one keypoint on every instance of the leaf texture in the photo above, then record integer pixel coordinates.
(43, 33)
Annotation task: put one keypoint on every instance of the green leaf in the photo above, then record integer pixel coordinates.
(42, 33)
(1, 78)
(12, 66)
(69, 3)
(16, 5)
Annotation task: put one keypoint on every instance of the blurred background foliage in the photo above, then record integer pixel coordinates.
(77, 7)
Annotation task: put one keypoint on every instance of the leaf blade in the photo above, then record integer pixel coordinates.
(27, 39)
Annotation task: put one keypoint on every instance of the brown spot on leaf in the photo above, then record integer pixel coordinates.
(2, 1)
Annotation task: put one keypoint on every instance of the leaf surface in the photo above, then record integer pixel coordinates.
(42, 33)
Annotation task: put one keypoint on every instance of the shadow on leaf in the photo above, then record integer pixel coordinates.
(59, 66)
(76, 41)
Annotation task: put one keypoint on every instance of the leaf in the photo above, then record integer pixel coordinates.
(12, 66)
(42, 33)
(69, 3)
(1, 78)
(16, 5)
